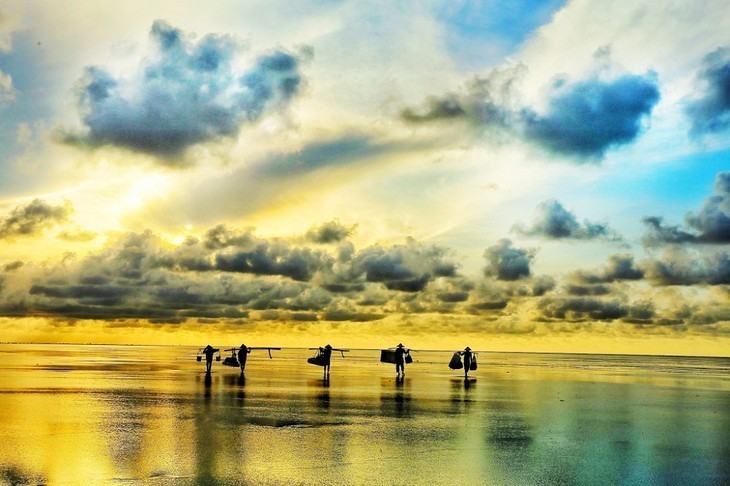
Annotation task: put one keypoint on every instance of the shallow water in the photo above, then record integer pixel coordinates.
(148, 415)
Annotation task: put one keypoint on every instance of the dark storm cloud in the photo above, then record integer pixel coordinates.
(618, 268)
(709, 111)
(587, 290)
(587, 118)
(107, 295)
(339, 315)
(33, 218)
(227, 273)
(583, 119)
(589, 308)
(407, 267)
(275, 259)
(330, 232)
(186, 94)
(711, 224)
(685, 268)
(555, 222)
(506, 262)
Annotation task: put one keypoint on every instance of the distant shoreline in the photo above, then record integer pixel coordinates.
(550, 353)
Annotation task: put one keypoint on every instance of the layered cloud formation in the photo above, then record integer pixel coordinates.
(189, 92)
(229, 274)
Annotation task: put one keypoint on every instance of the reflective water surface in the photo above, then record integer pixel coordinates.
(150, 415)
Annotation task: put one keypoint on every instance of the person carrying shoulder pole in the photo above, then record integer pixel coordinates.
(243, 352)
(209, 352)
(400, 359)
(467, 354)
(326, 358)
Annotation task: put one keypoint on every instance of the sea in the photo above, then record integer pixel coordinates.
(151, 415)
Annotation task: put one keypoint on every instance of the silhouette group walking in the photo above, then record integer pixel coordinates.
(399, 355)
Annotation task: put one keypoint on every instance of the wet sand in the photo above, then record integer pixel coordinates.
(149, 415)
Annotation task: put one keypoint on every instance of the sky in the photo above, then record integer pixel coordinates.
(517, 176)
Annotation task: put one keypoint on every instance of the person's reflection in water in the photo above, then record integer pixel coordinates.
(323, 397)
(207, 443)
(402, 397)
(208, 382)
(395, 400)
(241, 394)
(462, 393)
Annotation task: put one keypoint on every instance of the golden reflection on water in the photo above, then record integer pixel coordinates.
(129, 414)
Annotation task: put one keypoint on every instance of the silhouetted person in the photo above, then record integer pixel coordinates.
(242, 355)
(209, 351)
(326, 353)
(467, 354)
(400, 359)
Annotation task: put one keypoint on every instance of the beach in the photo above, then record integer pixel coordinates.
(92, 414)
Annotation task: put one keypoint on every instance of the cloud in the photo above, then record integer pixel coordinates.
(709, 110)
(506, 262)
(221, 236)
(678, 267)
(187, 93)
(7, 26)
(33, 218)
(582, 119)
(77, 235)
(657, 232)
(618, 268)
(330, 232)
(586, 118)
(555, 222)
(586, 290)
(711, 224)
(228, 273)
(7, 92)
(275, 258)
(485, 100)
(9, 267)
(407, 267)
(582, 309)
(713, 220)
